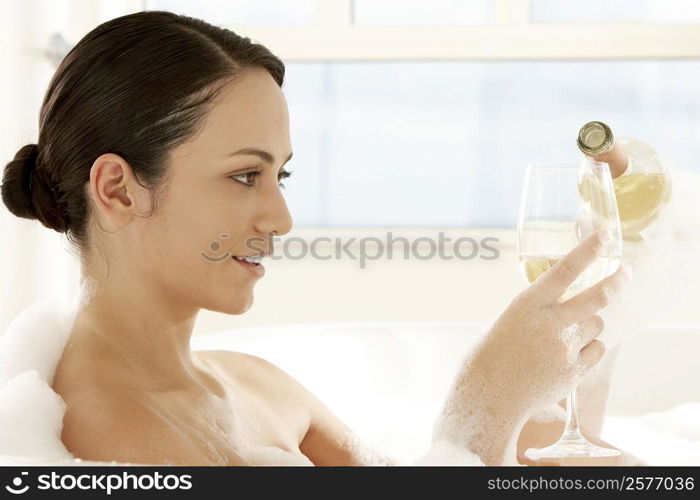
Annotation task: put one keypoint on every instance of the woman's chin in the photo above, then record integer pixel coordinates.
(238, 307)
(237, 301)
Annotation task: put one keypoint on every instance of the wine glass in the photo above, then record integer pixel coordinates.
(561, 204)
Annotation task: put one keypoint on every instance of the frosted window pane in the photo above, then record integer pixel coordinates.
(253, 12)
(605, 11)
(413, 143)
(421, 12)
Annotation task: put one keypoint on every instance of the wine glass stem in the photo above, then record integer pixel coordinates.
(571, 430)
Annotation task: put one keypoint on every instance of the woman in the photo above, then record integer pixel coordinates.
(159, 133)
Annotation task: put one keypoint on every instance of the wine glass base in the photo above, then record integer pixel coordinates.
(574, 447)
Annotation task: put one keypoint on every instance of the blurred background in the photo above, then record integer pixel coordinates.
(410, 117)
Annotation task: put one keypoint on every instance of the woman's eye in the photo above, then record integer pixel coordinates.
(249, 181)
(283, 175)
(253, 175)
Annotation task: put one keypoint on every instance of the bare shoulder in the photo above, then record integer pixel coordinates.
(106, 426)
(254, 370)
(327, 440)
(113, 426)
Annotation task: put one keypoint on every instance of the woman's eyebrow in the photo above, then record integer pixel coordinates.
(263, 155)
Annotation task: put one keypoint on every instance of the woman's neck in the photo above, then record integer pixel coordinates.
(139, 326)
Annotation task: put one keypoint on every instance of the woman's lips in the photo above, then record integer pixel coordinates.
(258, 270)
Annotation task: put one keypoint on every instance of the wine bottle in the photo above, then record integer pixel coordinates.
(642, 183)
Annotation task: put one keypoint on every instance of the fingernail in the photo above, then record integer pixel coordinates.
(604, 239)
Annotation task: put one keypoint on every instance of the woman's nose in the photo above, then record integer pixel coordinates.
(275, 216)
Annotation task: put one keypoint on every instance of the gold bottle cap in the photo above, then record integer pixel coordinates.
(595, 138)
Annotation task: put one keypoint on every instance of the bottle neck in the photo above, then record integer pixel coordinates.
(616, 158)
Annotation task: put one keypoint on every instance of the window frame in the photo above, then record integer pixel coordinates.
(510, 35)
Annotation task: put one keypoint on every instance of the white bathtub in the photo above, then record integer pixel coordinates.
(388, 380)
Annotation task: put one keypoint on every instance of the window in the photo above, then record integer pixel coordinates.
(625, 11)
(400, 117)
(446, 143)
(420, 12)
(250, 12)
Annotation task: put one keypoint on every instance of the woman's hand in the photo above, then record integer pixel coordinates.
(540, 348)
(535, 353)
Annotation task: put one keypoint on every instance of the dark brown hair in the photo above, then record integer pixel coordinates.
(136, 86)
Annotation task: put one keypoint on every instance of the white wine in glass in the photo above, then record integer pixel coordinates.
(561, 204)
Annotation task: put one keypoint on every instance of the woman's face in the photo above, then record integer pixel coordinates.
(214, 207)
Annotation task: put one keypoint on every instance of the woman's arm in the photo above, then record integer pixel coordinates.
(490, 430)
(537, 350)
(534, 353)
(329, 441)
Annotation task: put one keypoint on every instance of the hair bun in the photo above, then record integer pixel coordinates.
(26, 194)
(16, 190)
(28, 154)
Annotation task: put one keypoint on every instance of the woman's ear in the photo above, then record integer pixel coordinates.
(116, 195)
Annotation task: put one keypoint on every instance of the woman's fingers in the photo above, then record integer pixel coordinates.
(579, 335)
(552, 284)
(589, 329)
(595, 298)
(591, 354)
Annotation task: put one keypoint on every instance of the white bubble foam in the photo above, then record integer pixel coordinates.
(32, 418)
(31, 413)
(447, 453)
(665, 267)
